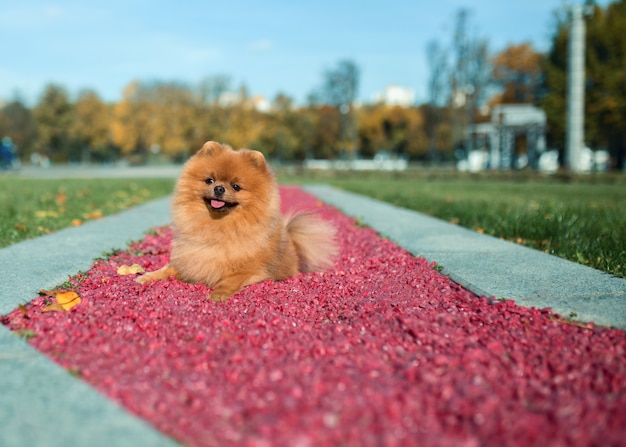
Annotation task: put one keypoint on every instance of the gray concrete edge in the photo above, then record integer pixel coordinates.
(489, 266)
(41, 404)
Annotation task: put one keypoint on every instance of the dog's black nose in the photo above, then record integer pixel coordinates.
(219, 190)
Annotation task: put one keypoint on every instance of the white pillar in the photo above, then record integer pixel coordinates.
(575, 138)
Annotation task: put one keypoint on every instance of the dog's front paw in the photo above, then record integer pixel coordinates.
(144, 279)
(218, 297)
(163, 273)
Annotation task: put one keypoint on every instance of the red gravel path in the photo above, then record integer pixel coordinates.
(382, 350)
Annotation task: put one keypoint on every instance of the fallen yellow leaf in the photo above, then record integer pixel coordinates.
(130, 269)
(93, 215)
(60, 199)
(77, 222)
(42, 214)
(23, 309)
(65, 300)
(53, 307)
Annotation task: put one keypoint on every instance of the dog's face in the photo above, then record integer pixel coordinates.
(226, 182)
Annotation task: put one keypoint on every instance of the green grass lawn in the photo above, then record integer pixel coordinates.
(582, 222)
(33, 207)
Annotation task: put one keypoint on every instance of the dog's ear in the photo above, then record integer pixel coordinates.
(211, 148)
(255, 157)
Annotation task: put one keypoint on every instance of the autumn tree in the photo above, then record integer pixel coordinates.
(211, 89)
(175, 119)
(555, 71)
(340, 90)
(605, 93)
(211, 119)
(155, 117)
(280, 136)
(372, 136)
(241, 120)
(304, 121)
(606, 81)
(433, 111)
(17, 122)
(517, 70)
(415, 142)
(173, 129)
(470, 75)
(53, 116)
(90, 127)
(130, 126)
(327, 132)
(393, 129)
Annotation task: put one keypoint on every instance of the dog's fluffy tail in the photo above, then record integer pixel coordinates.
(314, 239)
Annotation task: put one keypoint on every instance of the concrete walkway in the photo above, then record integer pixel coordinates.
(41, 404)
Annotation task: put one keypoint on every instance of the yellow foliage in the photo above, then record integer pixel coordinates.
(65, 300)
(130, 269)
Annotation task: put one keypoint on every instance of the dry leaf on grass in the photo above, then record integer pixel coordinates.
(65, 300)
(60, 199)
(43, 213)
(97, 214)
(130, 269)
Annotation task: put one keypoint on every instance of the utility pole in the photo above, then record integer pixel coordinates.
(575, 90)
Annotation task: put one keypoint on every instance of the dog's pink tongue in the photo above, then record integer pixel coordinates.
(217, 204)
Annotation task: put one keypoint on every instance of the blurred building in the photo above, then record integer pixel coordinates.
(513, 139)
(395, 95)
(260, 104)
(233, 99)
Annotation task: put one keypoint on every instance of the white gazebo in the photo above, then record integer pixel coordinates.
(498, 140)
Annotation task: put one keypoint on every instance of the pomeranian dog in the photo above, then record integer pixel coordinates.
(228, 228)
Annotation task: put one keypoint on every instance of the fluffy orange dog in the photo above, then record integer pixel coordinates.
(228, 228)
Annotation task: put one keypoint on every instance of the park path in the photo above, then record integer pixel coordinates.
(381, 350)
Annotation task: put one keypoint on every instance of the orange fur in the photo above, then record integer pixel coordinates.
(228, 229)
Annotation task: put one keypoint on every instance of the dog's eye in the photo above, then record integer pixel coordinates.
(236, 187)
(209, 181)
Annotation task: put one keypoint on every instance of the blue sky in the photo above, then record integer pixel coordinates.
(270, 46)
